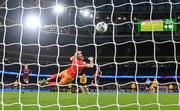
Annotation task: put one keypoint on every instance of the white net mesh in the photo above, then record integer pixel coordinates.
(31, 33)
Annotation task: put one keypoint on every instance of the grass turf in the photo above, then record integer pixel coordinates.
(107, 101)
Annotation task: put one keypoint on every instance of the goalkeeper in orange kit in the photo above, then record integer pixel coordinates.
(69, 74)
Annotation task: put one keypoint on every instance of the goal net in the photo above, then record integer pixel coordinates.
(138, 55)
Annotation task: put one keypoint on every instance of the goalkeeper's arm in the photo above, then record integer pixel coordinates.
(90, 65)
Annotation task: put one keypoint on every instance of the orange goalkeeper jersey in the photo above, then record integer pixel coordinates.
(76, 67)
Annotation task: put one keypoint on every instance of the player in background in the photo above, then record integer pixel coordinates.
(171, 88)
(96, 78)
(69, 74)
(15, 84)
(70, 87)
(26, 72)
(148, 83)
(154, 85)
(83, 81)
(133, 87)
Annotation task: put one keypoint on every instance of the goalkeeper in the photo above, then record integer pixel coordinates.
(69, 74)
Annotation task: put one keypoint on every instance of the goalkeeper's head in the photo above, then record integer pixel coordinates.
(79, 55)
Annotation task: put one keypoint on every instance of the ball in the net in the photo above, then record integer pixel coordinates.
(101, 27)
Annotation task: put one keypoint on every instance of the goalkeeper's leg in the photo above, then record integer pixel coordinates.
(65, 78)
(53, 77)
(63, 81)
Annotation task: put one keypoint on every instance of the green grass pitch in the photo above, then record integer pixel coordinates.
(107, 101)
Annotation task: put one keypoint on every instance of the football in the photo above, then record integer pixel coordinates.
(101, 27)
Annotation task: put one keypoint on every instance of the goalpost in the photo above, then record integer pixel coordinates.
(35, 23)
